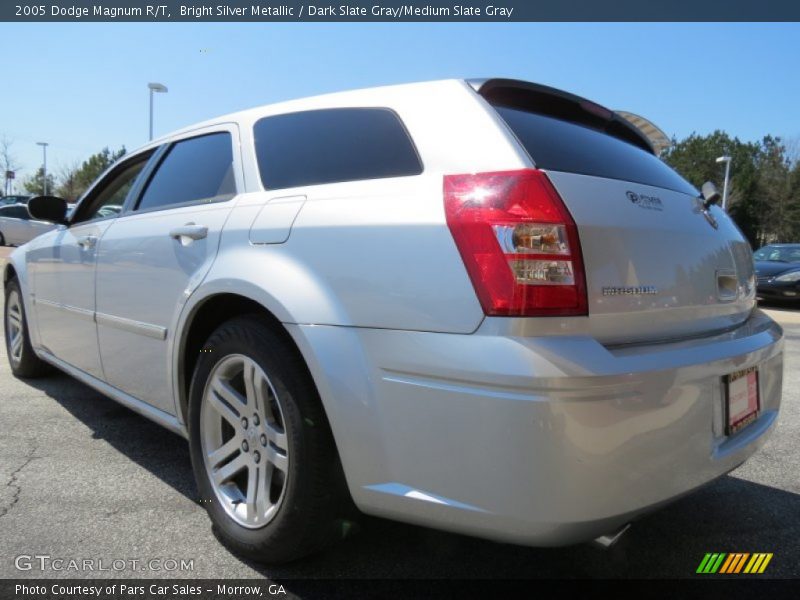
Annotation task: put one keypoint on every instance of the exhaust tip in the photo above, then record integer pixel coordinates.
(610, 539)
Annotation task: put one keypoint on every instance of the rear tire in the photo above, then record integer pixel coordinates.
(23, 360)
(2, 239)
(255, 417)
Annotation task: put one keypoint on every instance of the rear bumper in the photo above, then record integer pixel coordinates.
(541, 441)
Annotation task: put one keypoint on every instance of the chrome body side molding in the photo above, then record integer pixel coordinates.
(83, 313)
(146, 329)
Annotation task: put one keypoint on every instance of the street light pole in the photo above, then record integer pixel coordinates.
(44, 166)
(151, 115)
(161, 89)
(727, 161)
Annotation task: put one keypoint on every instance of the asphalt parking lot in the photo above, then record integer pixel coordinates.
(82, 477)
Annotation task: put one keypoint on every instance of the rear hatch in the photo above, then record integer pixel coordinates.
(657, 265)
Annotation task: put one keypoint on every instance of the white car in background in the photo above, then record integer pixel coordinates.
(482, 306)
(17, 227)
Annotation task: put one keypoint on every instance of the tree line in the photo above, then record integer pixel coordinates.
(764, 188)
(72, 181)
(763, 193)
(68, 182)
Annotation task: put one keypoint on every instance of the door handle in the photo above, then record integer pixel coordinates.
(190, 231)
(87, 242)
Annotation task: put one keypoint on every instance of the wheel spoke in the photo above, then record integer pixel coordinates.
(217, 456)
(264, 482)
(262, 396)
(249, 375)
(253, 489)
(277, 458)
(269, 409)
(16, 345)
(219, 390)
(229, 470)
(13, 319)
(231, 396)
(277, 437)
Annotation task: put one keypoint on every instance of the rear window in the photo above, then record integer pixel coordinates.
(563, 146)
(333, 145)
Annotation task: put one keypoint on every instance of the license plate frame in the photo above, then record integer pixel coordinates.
(742, 399)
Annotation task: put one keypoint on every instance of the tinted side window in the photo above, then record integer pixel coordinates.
(563, 146)
(195, 170)
(332, 145)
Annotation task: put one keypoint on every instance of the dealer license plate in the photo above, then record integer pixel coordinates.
(743, 400)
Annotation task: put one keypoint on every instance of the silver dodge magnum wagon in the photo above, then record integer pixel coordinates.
(482, 306)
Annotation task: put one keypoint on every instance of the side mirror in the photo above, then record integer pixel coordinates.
(710, 195)
(48, 208)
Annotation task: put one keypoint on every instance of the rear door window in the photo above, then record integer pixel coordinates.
(560, 145)
(196, 170)
(333, 145)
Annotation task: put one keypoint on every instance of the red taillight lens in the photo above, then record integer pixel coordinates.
(518, 242)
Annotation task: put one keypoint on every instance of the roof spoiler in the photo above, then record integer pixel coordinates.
(513, 93)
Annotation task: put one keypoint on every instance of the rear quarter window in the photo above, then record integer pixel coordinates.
(333, 145)
(559, 145)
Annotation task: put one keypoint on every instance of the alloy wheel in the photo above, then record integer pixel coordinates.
(243, 440)
(14, 327)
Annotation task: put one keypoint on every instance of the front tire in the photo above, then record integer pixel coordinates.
(262, 452)
(21, 357)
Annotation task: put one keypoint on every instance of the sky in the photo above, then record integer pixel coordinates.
(83, 86)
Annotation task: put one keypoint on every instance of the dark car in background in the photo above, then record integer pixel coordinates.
(778, 271)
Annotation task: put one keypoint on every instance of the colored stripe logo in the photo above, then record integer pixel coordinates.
(734, 563)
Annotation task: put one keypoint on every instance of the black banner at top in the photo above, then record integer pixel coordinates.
(398, 11)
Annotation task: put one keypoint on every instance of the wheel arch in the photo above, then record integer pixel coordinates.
(9, 272)
(16, 267)
(203, 316)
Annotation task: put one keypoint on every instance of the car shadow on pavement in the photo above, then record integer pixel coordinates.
(729, 515)
(161, 452)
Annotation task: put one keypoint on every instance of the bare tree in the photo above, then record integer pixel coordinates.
(7, 162)
(71, 186)
(792, 146)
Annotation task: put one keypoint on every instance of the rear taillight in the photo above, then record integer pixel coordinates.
(518, 242)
